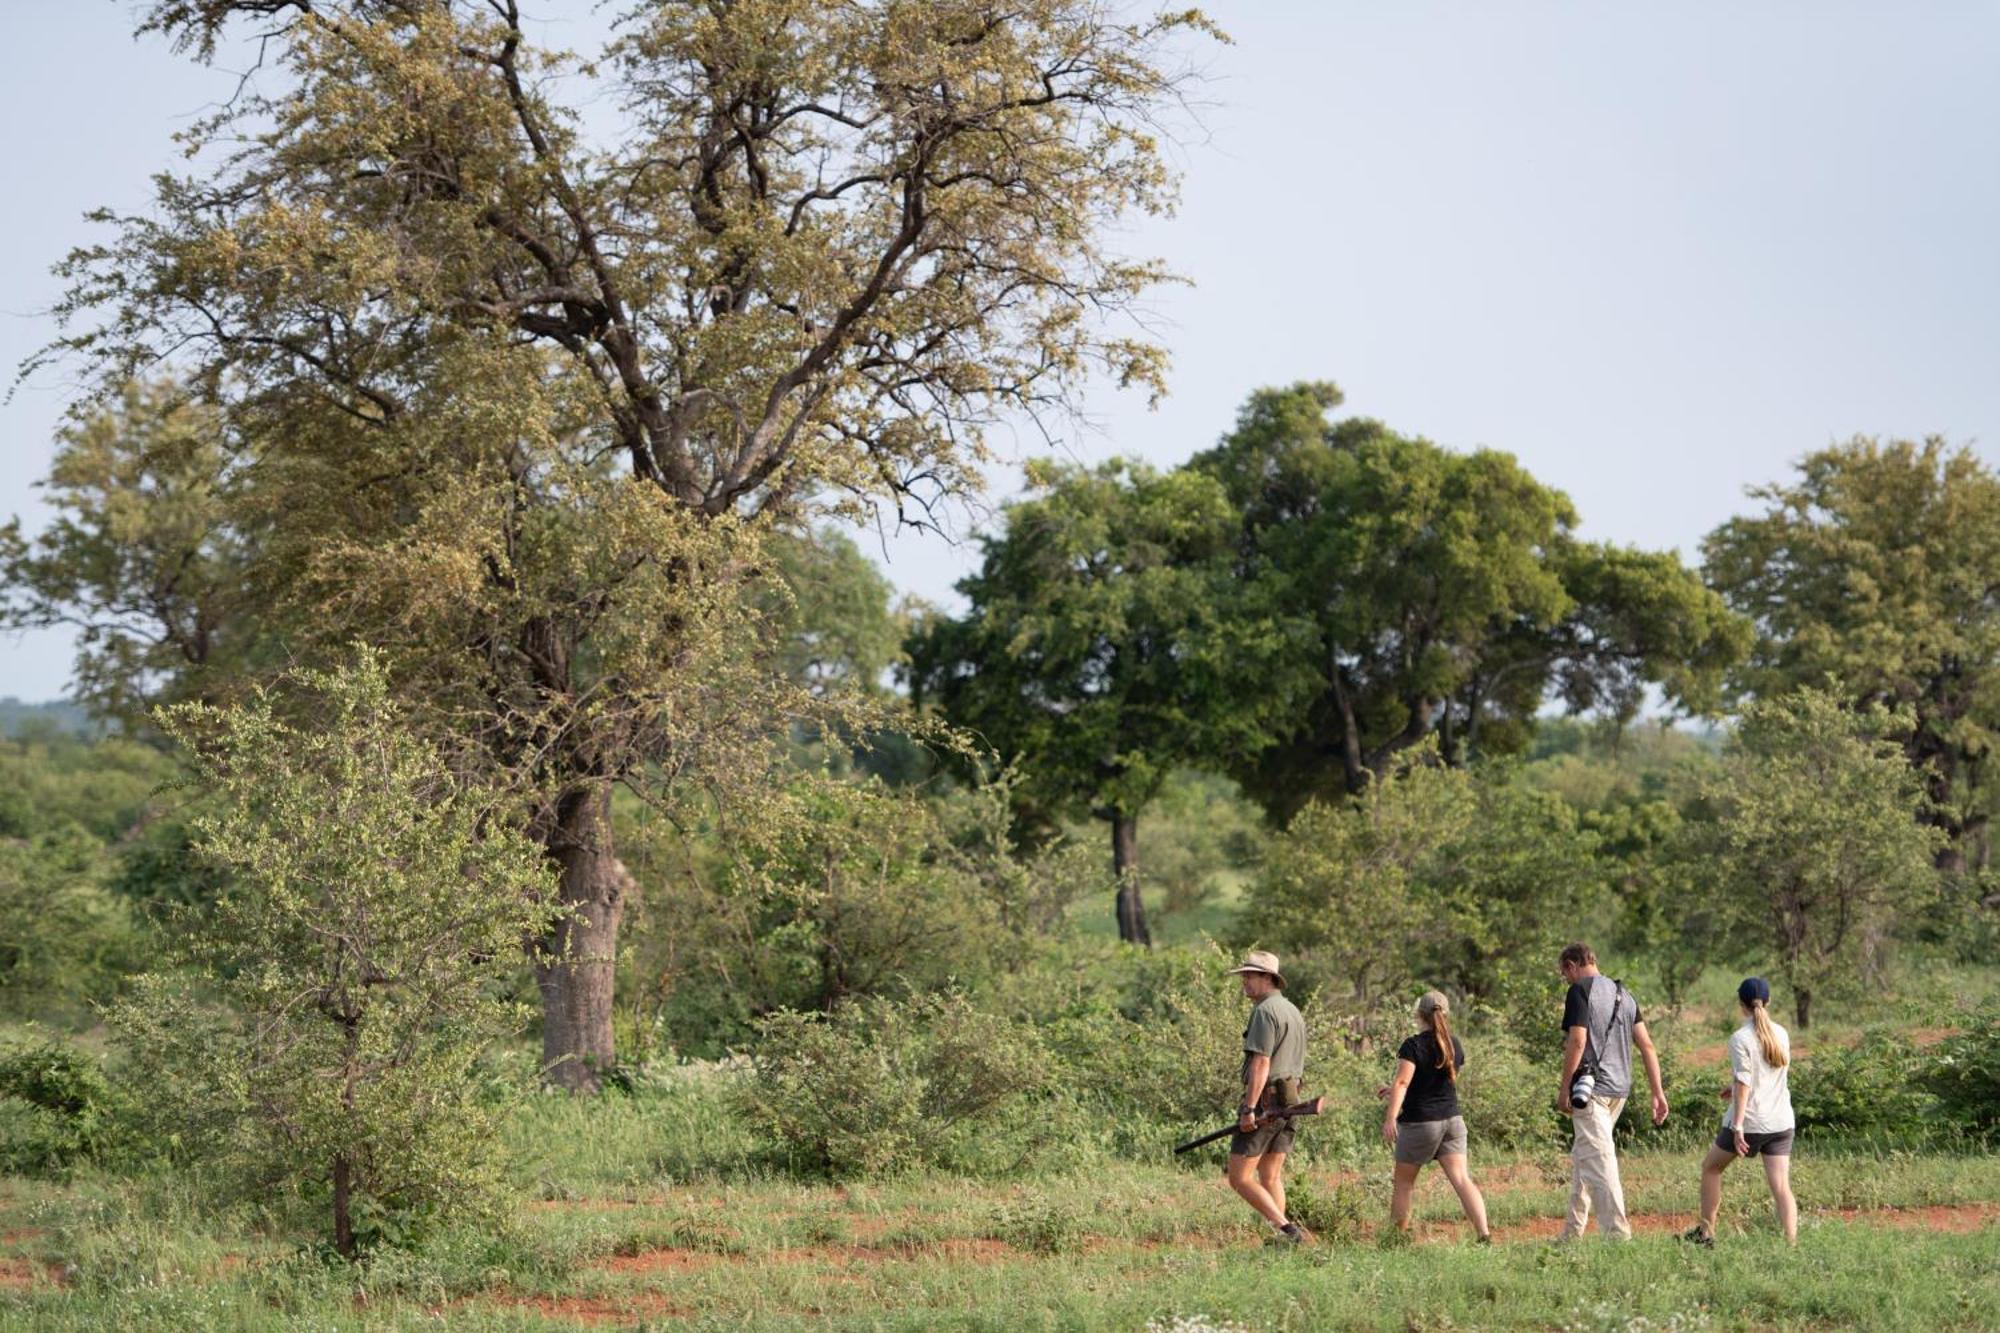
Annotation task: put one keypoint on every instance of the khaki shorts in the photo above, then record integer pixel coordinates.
(1276, 1136)
(1421, 1141)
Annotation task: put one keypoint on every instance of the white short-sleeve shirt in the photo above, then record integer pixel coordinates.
(1768, 1108)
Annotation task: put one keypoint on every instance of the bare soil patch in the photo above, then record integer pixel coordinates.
(21, 1274)
(1953, 1217)
(983, 1250)
(592, 1311)
(664, 1261)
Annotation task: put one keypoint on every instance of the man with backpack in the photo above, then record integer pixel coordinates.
(1601, 1026)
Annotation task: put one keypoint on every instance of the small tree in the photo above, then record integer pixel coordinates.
(1815, 836)
(1434, 876)
(1343, 886)
(338, 993)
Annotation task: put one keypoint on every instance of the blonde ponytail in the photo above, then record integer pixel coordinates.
(1767, 1036)
(1434, 1012)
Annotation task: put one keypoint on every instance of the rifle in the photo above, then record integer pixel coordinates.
(1310, 1106)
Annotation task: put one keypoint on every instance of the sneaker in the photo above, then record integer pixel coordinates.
(1486, 1239)
(1694, 1235)
(1295, 1233)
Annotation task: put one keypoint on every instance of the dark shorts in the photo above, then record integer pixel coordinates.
(1274, 1137)
(1761, 1145)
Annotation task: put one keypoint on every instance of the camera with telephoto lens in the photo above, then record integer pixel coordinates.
(1581, 1089)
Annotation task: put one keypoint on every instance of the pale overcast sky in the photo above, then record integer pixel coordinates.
(1657, 251)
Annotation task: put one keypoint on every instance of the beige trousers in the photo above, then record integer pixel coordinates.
(1594, 1172)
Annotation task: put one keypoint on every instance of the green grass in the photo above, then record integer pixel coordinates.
(656, 1210)
(1106, 1249)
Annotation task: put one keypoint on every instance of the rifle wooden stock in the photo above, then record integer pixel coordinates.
(1310, 1106)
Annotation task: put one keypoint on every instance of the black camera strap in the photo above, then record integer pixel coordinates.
(1596, 1051)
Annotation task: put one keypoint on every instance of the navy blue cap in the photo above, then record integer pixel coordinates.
(1754, 988)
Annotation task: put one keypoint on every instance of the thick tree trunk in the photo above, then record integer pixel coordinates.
(1125, 864)
(1802, 1008)
(579, 960)
(343, 1217)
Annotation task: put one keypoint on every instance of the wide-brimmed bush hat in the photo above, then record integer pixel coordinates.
(1257, 960)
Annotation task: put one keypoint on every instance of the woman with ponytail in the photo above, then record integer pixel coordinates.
(1759, 1122)
(1423, 1123)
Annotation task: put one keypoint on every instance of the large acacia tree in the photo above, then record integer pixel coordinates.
(1448, 595)
(508, 397)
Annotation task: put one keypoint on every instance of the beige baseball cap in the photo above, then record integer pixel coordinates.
(1257, 960)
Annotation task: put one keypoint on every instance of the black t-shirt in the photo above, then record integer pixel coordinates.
(1432, 1095)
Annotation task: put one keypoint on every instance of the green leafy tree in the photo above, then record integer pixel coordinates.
(517, 397)
(842, 628)
(144, 558)
(1449, 593)
(1628, 786)
(846, 629)
(1875, 569)
(71, 809)
(1435, 876)
(1810, 838)
(335, 998)
(1108, 642)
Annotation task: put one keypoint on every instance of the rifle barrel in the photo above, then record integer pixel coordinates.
(1311, 1106)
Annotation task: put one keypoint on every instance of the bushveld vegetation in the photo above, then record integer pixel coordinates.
(524, 867)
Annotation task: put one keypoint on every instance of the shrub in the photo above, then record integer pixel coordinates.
(881, 1085)
(1691, 1092)
(848, 890)
(68, 939)
(1963, 1073)
(1336, 1216)
(1037, 1223)
(60, 1108)
(1505, 1096)
(1874, 1085)
(1174, 1057)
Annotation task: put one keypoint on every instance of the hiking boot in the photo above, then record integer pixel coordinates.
(1694, 1235)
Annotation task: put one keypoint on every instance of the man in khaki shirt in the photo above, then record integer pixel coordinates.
(1274, 1059)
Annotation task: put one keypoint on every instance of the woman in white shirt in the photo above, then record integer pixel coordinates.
(1759, 1122)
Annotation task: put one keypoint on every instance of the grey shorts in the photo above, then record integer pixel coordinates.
(1761, 1145)
(1420, 1141)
